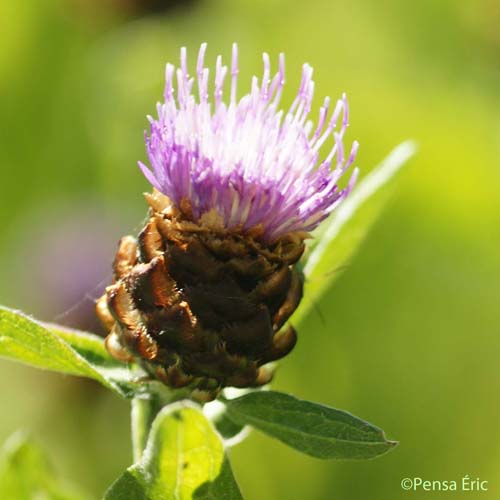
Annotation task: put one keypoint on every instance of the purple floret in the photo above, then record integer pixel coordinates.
(252, 163)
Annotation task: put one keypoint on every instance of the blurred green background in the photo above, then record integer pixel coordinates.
(408, 337)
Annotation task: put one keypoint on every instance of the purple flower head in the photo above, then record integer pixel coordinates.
(245, 161)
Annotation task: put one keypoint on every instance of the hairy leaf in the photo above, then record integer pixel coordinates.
(63, 350)
(184, 459)
(231, 432)
(311, 428)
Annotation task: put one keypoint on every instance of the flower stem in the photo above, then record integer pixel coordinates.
(144, 411)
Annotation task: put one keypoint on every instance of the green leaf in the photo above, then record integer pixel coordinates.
(63, 350)
(184, 459)
(341, 235)
(311, 428)
(25, 474)
(231, 432)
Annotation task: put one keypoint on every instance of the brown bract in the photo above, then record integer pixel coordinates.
(198, 305)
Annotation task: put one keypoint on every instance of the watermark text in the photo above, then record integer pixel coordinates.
(466, 483)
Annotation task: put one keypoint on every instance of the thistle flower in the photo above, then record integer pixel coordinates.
(201, 296)
(245, 162)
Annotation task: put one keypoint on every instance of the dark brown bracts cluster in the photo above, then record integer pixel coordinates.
(198, 305)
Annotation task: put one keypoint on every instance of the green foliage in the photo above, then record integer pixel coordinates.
(61, 350)
(399, 330)
(228, 429)
(184, 459)
(311, 428)
(178, 454)
(25, 474)
(338, 238)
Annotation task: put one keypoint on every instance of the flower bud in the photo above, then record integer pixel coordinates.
(201, 297)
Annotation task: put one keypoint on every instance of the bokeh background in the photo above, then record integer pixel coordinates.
(408, 337)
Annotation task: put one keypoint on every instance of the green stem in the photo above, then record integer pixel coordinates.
(145, 407)
(144, 411)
